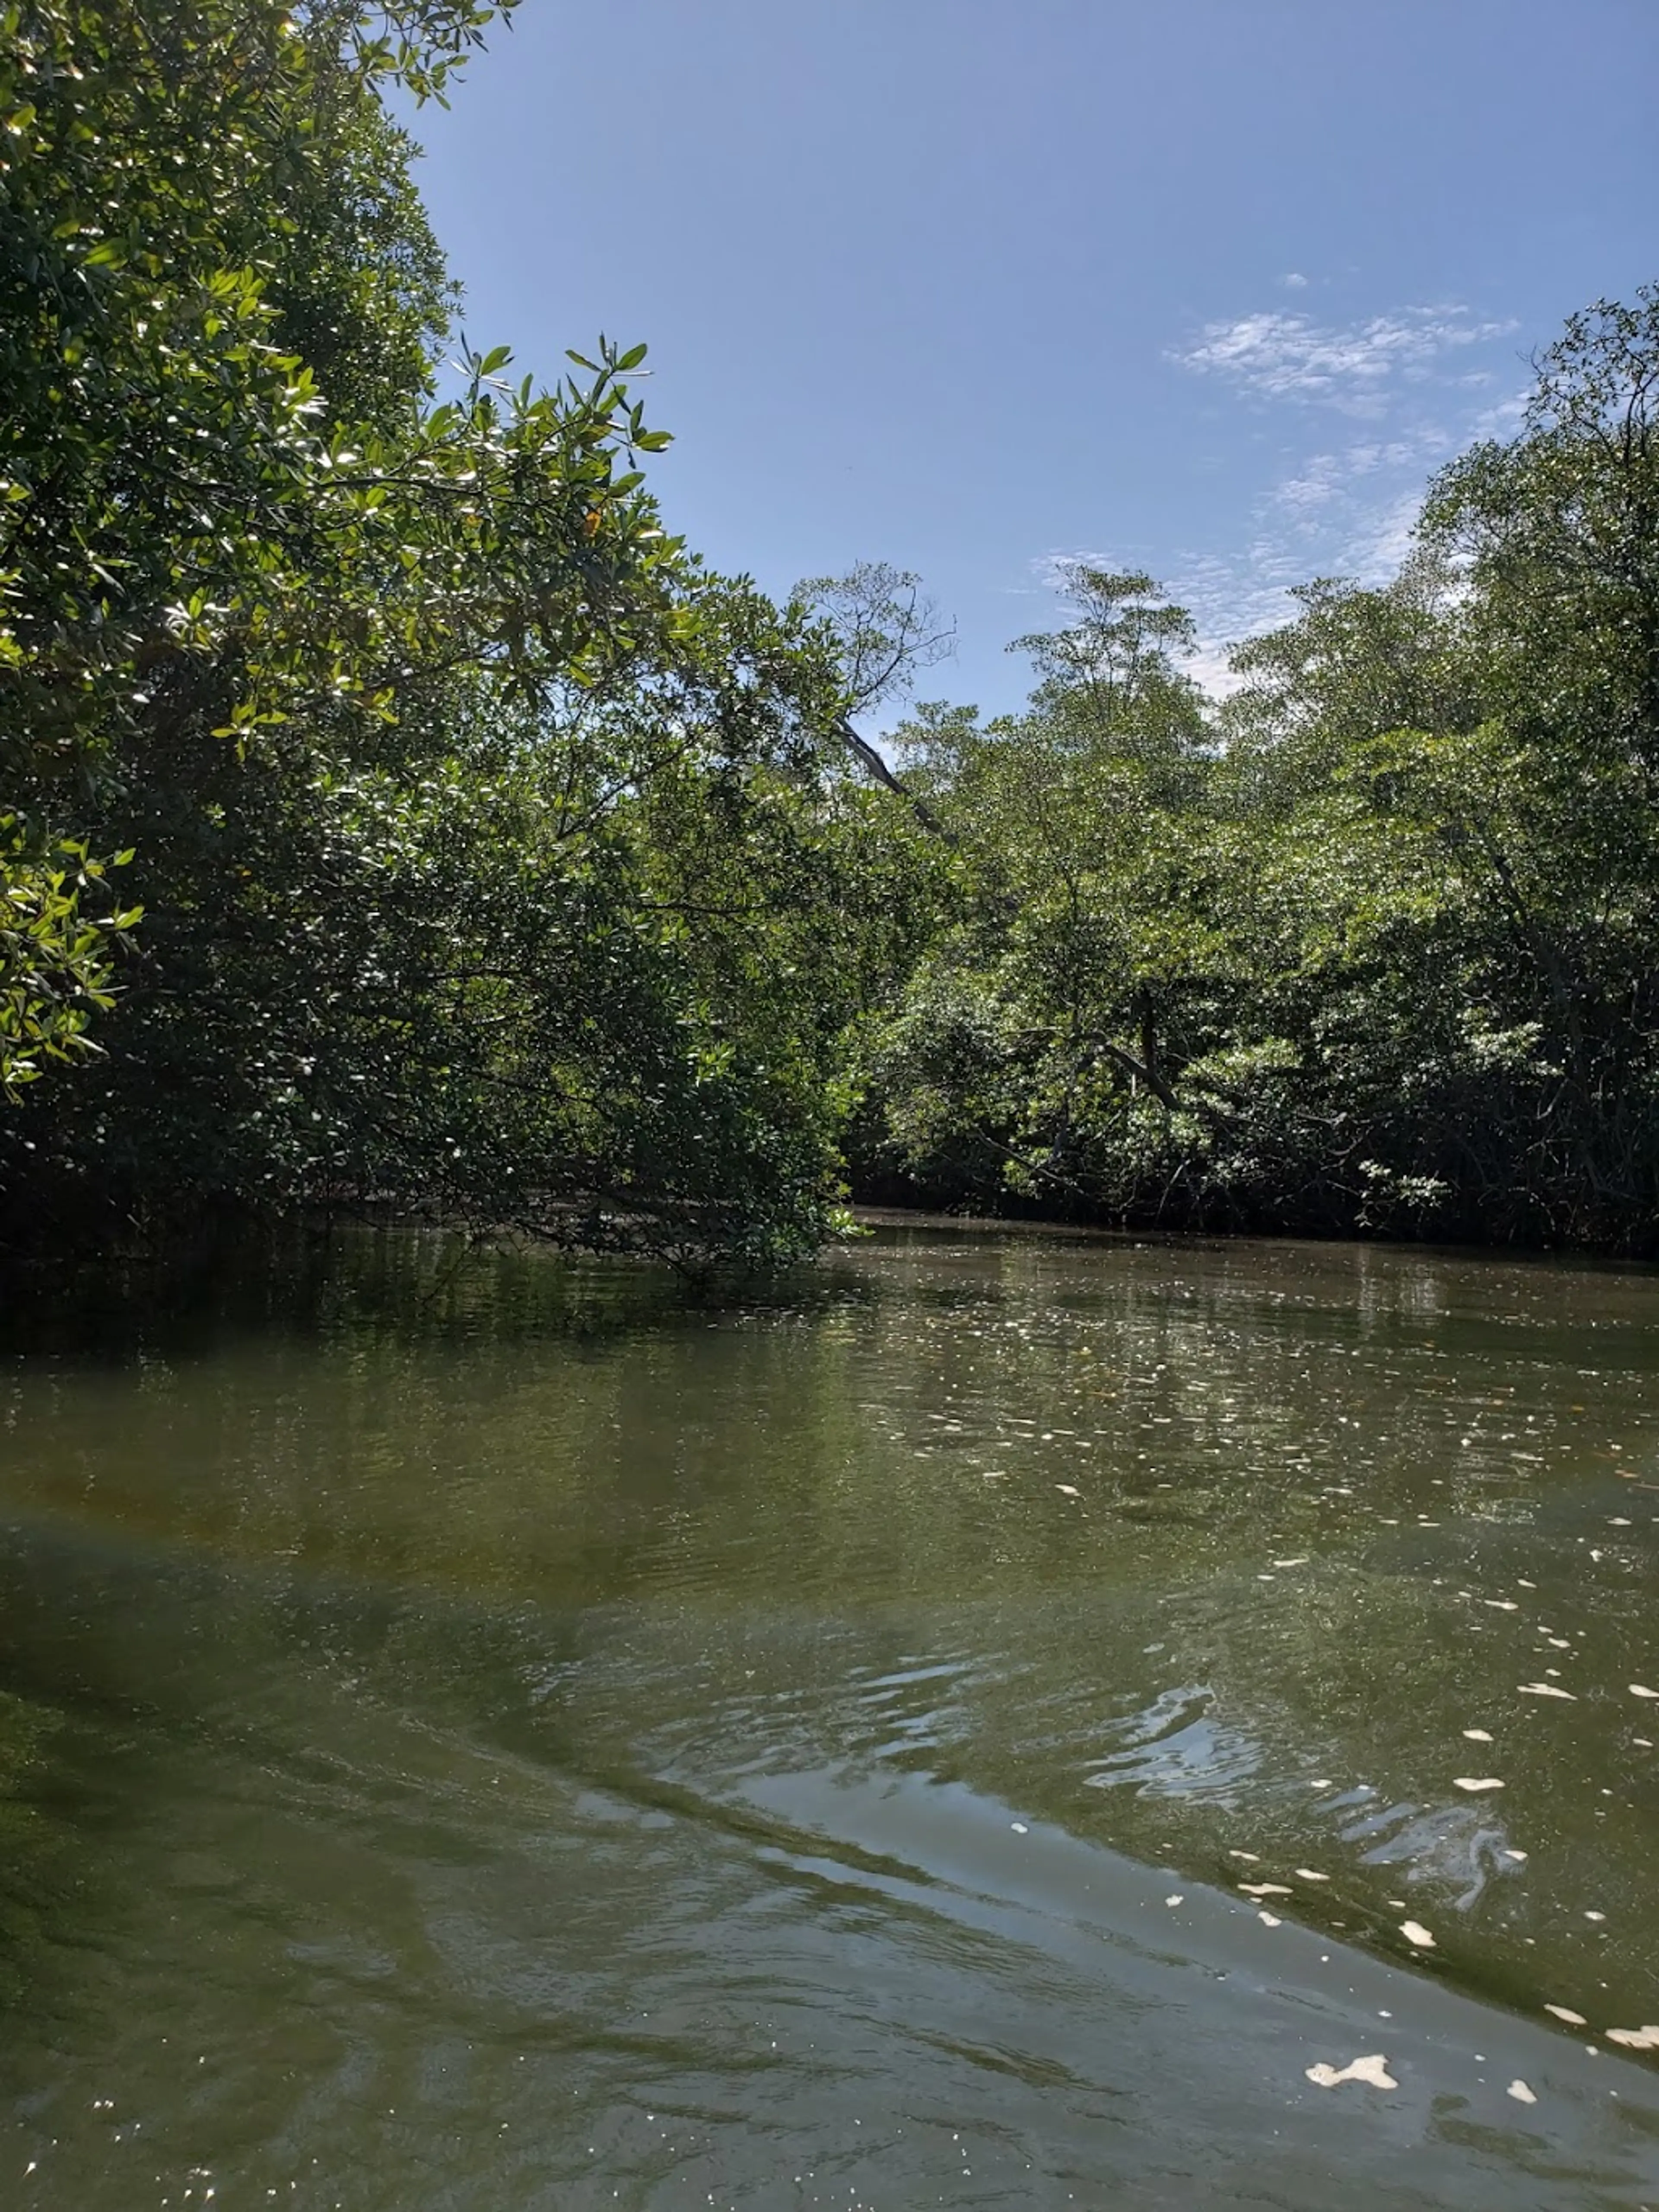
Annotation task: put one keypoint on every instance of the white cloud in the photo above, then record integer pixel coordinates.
(1405, 397)
(1235, 597)
(1326, 481)
(1294, 280)
(1502, 419)
(1051, 569)
(1354, 368)
(1322, 480)
(1348, 506)
(1227, 598)
(1238, 596)
(1232, 597)
(1376, 547)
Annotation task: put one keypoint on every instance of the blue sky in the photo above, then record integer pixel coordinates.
(1207, 286)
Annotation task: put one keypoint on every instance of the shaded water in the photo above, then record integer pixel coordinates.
(504, 1739)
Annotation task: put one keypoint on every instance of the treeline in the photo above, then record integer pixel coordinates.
(1374, 947)
(391, 810)
(393, 813)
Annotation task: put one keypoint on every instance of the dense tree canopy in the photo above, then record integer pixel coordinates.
(393, 811)
(477, 848)
(1370, 946)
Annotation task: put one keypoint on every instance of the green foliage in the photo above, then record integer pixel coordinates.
(1370, 946)
(581, 968)
(1559, 532)
(55, 954)
(480, 853)
(493, 858)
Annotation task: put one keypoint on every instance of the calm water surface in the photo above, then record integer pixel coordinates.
(969, 1727)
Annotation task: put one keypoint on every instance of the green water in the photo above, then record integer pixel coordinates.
(482, 1739)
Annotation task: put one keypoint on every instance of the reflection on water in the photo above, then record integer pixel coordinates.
(971, 1727)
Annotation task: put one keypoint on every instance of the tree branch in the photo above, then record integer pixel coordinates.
(869, 758)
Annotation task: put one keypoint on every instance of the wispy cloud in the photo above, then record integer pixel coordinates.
(1327, 481)
(1365, 537)
(1233, 596)
(1366, 412)
(1416, 392)
(1294, 280)
(1355, 367)
(1236, 596)
(1228, 597)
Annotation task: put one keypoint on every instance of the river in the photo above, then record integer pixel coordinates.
(991, 1720)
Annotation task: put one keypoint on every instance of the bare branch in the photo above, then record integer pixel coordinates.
(885, 627)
